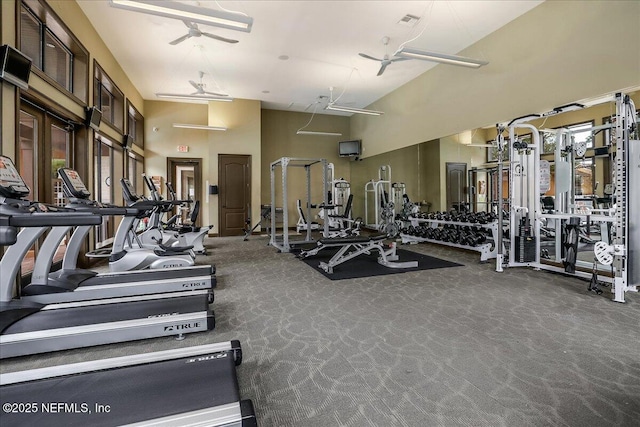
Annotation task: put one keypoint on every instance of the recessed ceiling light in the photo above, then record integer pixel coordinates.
(283, 57)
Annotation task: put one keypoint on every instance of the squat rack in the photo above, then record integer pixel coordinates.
(282, 242)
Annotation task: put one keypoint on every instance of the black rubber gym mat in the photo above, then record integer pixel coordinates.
(367, 265)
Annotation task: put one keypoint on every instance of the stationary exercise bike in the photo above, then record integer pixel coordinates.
(188, 234)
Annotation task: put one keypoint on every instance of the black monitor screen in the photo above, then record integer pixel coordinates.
(94, 117)
(15, 67)
(349, 148)
(127, 142)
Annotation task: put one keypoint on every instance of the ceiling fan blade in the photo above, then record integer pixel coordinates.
(180, 39)
(398, 59)
(196, 85)
(191, 25)
(222, 39)
(382, 68)
(364, 55)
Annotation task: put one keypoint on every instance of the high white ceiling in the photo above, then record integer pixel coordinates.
(321, 39)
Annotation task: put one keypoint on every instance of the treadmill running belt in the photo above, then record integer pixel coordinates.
(91, 315)
(131, 394)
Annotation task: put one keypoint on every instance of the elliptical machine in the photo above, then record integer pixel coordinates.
(125, 257)
(154, 234)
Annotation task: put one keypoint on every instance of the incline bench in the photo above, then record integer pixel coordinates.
(351, 247)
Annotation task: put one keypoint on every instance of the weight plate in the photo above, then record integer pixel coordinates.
(603, 253)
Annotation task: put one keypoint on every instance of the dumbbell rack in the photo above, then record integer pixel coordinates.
(488, 250)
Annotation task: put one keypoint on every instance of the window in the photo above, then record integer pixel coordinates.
(584, 173)
(492, 152)
(103, 190)
(30, 31)
(57, 60)
(135, 125)
(26, 151)
(45, 144)
(135, 170)
(582, 133)
(108, 164)
(56, 54)
(109, 99)
(548, 142)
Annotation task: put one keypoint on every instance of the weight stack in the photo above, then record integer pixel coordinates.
(525, 249)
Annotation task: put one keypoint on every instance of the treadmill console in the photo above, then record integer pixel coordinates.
(155, 194)
(11, 183)
(128, 191)
(73, 185)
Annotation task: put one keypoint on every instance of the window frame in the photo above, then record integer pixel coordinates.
(51, 24)
(101, 80)
(138, 119)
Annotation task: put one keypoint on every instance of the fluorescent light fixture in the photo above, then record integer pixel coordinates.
(410, 52)
(186, 12)
(335, 107)
(194, 97)
(313, 132)
(201, 127)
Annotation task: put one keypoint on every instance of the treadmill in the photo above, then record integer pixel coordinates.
(188, 387)
(73, 284)
(27, 327)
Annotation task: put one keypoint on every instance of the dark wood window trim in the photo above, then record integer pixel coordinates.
(138, 132)
(102, 80)
(79, 73)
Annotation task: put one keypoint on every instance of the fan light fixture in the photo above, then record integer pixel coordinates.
(194, 97)
(335, 107)
(201, 127)
(410, 52)
(302, 130)
(186, 12)
(314, 132)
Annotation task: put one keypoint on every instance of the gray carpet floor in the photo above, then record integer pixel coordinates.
(462, 346)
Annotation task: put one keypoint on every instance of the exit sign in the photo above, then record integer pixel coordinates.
(183, 148)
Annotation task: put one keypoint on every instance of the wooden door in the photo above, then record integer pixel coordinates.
(234, 197)
(456, 184)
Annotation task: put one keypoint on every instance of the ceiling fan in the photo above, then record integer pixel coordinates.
(194, 31)
(385, 61)
(200, 88)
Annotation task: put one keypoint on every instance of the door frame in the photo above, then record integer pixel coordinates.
(196, 162)
(249, 158)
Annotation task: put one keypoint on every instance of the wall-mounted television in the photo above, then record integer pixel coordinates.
(94, 117)
(349, 148)
(127, 142)
(15, 67)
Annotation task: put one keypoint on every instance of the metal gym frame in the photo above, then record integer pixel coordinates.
(525, 211)
(378, 189)
(282, 242)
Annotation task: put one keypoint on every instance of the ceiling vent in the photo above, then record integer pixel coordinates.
(409, 20)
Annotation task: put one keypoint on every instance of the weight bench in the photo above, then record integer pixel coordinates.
(351, 247)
